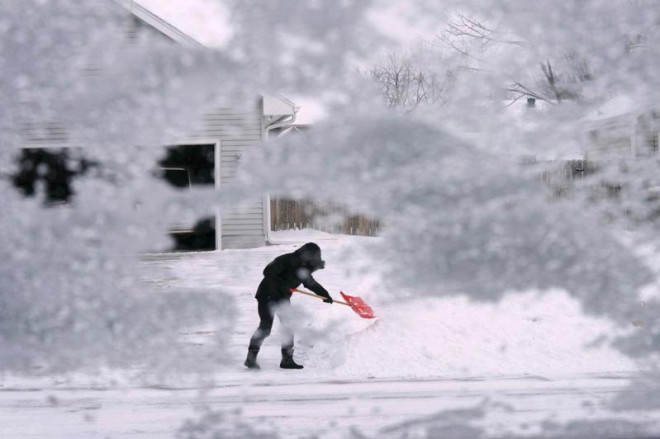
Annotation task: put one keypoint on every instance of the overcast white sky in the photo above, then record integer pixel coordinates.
(208, 22)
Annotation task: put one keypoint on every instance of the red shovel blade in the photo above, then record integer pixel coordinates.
(358, 305)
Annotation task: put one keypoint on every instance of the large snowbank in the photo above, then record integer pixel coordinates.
(535, 334)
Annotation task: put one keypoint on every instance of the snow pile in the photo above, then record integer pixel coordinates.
(532, 333)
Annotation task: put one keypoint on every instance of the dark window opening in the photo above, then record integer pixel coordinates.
(185, 166)
(53, 169)
(199, 238)
(177, 177)
(197, 160)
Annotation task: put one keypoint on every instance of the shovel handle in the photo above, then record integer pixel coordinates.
(296, 290)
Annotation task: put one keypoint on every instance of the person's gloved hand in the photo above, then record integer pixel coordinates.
(328, 299)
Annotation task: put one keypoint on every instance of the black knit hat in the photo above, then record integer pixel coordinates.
(310, 255)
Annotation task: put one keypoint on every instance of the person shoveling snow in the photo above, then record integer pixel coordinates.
(273, 296)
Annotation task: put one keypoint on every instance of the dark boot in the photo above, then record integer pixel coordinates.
(251, 360)
(287, 360)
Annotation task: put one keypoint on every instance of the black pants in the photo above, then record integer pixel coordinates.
(267, 310)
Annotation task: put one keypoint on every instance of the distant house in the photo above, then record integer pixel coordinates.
(619, 129)
(207, 155)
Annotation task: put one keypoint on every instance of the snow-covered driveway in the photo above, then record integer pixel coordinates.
(430, 364)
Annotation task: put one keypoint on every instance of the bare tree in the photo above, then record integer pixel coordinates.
(470, 27)
(405, 85)
(556, 81)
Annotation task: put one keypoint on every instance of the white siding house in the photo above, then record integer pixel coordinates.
(228, 132)
(234, 130)
(624, 134)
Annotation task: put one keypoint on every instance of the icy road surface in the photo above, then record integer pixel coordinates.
(295, 406)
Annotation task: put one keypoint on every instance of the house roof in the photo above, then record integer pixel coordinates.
(278, 105)
(617, 106)
(272, 105)
(158, 23)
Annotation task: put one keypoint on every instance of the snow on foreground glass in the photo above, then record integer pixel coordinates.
(440, 166)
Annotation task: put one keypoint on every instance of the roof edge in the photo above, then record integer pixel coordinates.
(159, 24)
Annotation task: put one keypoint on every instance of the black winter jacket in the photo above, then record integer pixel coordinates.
(289, 271)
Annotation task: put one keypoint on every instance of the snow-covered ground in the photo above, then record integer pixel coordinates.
(530, 333)
(531, 357)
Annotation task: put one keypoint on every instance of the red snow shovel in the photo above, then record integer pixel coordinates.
(356, 303)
